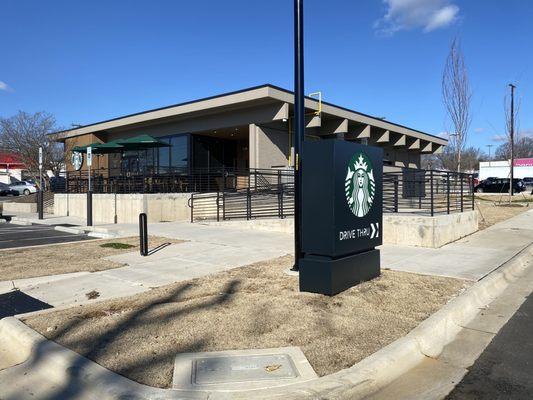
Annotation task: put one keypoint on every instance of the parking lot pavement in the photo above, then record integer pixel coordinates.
(31, 235)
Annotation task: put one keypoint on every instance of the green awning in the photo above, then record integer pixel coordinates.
(101, 148)
(141, 142)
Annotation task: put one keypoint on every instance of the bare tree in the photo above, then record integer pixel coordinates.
(24, 133)
(523, 148)
(470, 158)
(457, 96)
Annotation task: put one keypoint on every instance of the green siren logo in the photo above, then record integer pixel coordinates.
(360, 186)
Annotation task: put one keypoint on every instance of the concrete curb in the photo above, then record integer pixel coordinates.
(15, 221)
(374, 372)
(68, 229)
(100, 233)
(93, 231)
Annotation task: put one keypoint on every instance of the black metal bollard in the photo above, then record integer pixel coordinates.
(89, 208)
(143, 234)
(40, 203)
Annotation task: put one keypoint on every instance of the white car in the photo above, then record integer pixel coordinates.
(24, 187)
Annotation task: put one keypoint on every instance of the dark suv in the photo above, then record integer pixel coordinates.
(499, 185)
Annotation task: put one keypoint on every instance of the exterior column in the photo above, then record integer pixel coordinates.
(253, 146)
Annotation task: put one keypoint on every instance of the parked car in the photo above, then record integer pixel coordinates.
(528, 181)
(5, 190)
(24, 187)
(499, 185)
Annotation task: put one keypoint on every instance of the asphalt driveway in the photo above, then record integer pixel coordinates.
(31, 235)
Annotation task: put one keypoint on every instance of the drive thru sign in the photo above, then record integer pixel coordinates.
(342, 215)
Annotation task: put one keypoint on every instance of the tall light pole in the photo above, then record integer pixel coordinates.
(511, 134)
(299, 125)
(489, 146)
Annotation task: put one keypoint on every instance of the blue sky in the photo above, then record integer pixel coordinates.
(89, 61)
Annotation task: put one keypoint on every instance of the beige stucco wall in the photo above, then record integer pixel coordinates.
(126, 207)
(269, 148)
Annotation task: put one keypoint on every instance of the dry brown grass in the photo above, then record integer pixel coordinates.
(491, 213)
(65, 258)
(257, 306)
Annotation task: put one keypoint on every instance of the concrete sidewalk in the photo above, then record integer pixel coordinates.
(211, 249)
(472, 257)
(207, 250)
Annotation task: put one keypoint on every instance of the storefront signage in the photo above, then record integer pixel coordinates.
(76, 159)
(341, 215)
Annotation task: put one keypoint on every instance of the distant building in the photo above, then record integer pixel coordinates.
(11, 168)
(523, 168)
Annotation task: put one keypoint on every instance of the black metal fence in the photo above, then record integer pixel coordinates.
(416, 191)
(428, 192)
(176, 181)
(224, 194)
(269, 194)
(276, 202)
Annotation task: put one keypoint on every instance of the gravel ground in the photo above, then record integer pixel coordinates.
(257, 306)
(65, 258)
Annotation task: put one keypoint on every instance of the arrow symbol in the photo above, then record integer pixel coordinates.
(375, 230)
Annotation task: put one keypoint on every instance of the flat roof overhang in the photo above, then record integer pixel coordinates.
(253, 97)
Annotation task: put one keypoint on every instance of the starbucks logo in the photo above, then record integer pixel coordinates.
(360, 186)
(77, 160)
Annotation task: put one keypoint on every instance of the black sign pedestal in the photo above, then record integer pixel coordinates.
(331, 276)
(342, 215)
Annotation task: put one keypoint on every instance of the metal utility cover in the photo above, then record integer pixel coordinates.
(241, 369)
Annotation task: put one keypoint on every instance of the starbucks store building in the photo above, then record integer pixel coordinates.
(234, 143)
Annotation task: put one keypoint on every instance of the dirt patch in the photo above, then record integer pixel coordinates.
(492, 212)
(257, 306)
(65, 258)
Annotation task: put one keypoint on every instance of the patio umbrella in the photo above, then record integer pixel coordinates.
(101, 148)
(141, 142)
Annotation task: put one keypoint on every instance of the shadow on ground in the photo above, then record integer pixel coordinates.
(76, 386)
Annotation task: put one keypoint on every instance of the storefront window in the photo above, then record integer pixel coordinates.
(164, 158)
(179, 154)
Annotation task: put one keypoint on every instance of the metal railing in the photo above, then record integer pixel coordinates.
(274, 202)
(422, 192)
(172, 181)
(427, 192)
(224, 193)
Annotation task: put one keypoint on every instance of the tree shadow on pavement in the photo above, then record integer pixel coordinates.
(75, 384)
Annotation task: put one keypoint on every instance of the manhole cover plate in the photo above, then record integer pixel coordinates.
(243, 369)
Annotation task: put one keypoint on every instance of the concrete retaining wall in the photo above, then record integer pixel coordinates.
(424, 231)
(19, 208)
(127, 207)
(409, 230)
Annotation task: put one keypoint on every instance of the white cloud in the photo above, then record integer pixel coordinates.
(446, 135)
(518, 135)
(499, 138)
(479, 130)
(526, 133)
(3, 86)
(427, 15)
